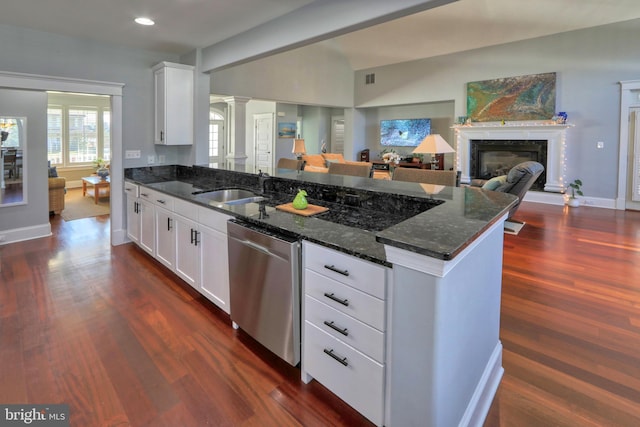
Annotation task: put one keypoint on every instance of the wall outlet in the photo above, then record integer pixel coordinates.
(132, 154)
(151, 160)
(600, 144)
(162, 159)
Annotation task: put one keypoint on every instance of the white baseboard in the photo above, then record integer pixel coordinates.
(480, 402)
(558, 199)
(25, 233)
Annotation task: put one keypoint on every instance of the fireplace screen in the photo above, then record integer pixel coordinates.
(497, 157)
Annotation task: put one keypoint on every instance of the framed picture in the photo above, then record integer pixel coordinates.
(286, 130)
(531, 97)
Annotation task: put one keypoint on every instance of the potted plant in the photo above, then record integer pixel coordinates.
(575, 188)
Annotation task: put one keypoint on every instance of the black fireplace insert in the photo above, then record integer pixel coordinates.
(491, 158)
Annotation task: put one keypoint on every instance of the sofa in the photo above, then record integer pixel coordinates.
(56, 194)
(320, 162)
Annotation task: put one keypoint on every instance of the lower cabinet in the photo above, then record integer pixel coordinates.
(214, 268)
(344, 322)
(187, 250)
(140, 220)
(187, 238)
(165, 237)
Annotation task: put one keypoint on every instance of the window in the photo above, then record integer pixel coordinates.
(216, 126)
(78, 129)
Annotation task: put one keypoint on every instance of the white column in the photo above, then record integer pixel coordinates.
(236, 128)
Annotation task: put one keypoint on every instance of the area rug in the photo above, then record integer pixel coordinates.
(514, 228)
(76, 206)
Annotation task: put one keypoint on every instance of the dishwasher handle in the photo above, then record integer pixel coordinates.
(258, 247)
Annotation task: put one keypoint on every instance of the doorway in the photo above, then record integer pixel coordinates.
(633, 166)
(263, 140)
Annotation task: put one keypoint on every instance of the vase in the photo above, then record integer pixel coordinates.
(102, 173)
(573, 202)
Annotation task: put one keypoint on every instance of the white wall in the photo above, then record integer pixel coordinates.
(589, 64)
(316, 75)
(34, 214)
(34, 52)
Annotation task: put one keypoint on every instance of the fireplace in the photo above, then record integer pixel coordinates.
(491, 158)
(514, 134)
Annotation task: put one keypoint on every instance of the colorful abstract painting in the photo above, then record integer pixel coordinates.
(531, 97)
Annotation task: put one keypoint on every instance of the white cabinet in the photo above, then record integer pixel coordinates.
(133, 220)
(140, 218)
(344, 322)
(187, 238)
(187, 250)
(174, 95)
(165, 237)
(214, 269)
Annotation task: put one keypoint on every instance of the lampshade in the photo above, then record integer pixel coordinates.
(432, 188)
(298, 147)
(434, 144)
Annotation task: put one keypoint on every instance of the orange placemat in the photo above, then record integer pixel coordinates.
(310, 210)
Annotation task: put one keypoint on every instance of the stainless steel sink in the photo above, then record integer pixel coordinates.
(227, 195)
(254, 199)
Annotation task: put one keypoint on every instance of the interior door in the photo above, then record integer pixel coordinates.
(263, 140)
(633, 180)
(337, 135)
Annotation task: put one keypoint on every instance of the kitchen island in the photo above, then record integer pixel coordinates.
(441, 253)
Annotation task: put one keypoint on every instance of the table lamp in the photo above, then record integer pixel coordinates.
(434, 144)
(299, 148)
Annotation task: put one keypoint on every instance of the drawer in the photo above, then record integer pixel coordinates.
(355, 303)
(360, 383)
(131, 189)
(162, 199)
(186, 209)
(363, 275)
(362, 337)
(213, 219)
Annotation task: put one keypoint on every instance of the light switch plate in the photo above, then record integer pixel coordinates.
(151, 159)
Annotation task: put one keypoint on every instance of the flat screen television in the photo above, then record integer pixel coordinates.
(404, 132)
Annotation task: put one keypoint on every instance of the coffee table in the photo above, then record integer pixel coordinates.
(97, 183)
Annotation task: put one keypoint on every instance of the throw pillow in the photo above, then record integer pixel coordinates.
(339, 158)
(495, 182)
(314, 160)
(53, 172)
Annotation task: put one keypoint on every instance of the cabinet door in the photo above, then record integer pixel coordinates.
(188, 242)
(146, 212)
(160, 109)
(214, 271)
(165, 237)
(133, 219)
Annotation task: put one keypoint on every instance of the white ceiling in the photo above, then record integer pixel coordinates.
(182, 25)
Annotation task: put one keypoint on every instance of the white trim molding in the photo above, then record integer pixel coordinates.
(554, 134)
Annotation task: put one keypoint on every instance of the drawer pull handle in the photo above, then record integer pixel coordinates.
(342, 360)
(144, 194)
(332, 296)
(343, 331)
(161, 201)
(337, 270)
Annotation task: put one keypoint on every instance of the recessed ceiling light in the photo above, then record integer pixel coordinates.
(144, 21)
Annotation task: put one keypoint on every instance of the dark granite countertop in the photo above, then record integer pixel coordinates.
(364, 214)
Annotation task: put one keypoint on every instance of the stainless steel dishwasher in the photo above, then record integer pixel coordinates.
(264, 281)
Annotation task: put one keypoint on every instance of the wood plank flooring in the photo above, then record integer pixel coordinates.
(123, 341)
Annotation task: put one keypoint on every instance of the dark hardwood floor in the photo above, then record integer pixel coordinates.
(123, 341)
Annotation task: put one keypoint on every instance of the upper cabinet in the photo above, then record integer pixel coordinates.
(173, 91)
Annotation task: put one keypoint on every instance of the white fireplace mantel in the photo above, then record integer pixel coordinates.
(554, 134)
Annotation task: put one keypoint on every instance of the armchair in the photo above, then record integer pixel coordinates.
(56, 194)
(517, 182)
